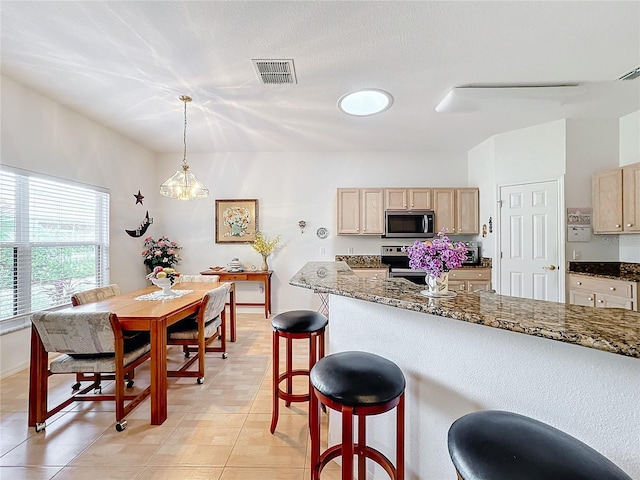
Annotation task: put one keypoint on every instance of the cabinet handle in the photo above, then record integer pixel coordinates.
(600, 301)
(590, 299)
(612, 288)
(578, 283)
(617, 226)
(479, 274)
(629, 224)
(470, 287)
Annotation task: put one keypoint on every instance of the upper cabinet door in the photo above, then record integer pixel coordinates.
(444, 207)
(468, 211)
(348, 211)
(420, 199)
(607, 201)
(407, 198)
(631, 198)
(372, 211)
(395, 198)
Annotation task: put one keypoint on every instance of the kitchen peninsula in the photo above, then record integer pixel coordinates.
(576, 368)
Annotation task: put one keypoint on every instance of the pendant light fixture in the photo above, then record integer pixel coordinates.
(183, 184)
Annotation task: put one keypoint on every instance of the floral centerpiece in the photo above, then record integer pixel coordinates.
(264, 246)
(162, 252)
(436, 258)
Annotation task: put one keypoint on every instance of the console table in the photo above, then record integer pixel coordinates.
(258, 276)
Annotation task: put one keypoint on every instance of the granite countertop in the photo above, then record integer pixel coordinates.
(629, 272)
(611, 330)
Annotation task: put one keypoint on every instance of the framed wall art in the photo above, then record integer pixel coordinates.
(236, 220)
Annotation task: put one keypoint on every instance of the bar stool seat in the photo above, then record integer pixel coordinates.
(295, 324)
(360, 384)
(496, 445)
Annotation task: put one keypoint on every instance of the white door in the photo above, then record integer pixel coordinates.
(529, 263)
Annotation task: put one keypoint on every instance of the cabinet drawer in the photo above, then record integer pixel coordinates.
(233, 276)
(470, 274)
(380, 273)
(615, 288)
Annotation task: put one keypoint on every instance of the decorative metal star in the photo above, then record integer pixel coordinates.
(139, 198)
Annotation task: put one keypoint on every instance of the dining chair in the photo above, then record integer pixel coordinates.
(86, 342)
(196, 332)
(196, 278)
(95, 295)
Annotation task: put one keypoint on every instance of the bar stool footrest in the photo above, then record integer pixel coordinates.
(369, 452)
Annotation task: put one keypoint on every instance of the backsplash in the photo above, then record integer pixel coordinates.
(623, 270)
(361, 261)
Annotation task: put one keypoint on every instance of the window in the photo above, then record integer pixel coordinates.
(54, 241)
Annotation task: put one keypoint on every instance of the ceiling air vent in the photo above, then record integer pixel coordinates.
(275, 72)
(631, 75)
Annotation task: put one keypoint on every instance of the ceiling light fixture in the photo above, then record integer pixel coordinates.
(183, 184)
(365, 102)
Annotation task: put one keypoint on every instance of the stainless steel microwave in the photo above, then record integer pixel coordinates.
(409, 223)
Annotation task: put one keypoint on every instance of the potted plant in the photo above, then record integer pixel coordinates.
(160, 253)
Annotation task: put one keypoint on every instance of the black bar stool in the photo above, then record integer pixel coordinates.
(497, 445)
(296, 324)
(360, 384)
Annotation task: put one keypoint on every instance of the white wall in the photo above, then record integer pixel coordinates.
(43, 136)
(481, 173)
(573, 149)
(530, 154)
(290, 187)
(630, 153)
(453, 368)
(630, 139)
(592, 145)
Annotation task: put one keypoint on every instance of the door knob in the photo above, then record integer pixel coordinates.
(550, 267)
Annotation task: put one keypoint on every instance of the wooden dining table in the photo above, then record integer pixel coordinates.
(153, 316)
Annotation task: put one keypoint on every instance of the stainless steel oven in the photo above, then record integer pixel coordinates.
(398, 262)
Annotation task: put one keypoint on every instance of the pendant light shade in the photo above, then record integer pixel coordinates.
(183, 184)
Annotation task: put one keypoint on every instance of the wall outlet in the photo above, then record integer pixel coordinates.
(322, 251)
(350, 250)
(577, 255)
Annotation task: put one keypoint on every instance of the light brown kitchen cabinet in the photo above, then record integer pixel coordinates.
(377, 273)
(631, 198)
(407, 198)
(470, 279)
(360, 211)
(457, 209)
(602, 292)
(607, 201)
(616, 200)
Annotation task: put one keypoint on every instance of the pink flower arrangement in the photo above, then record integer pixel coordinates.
(437, 256)
(162, 252)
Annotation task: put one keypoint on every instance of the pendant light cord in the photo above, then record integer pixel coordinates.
(184, 137)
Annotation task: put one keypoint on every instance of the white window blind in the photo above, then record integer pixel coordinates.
(54, 241)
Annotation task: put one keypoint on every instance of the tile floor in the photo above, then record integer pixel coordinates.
(217, 431)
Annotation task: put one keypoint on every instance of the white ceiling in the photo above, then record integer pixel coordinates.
(124, 64)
